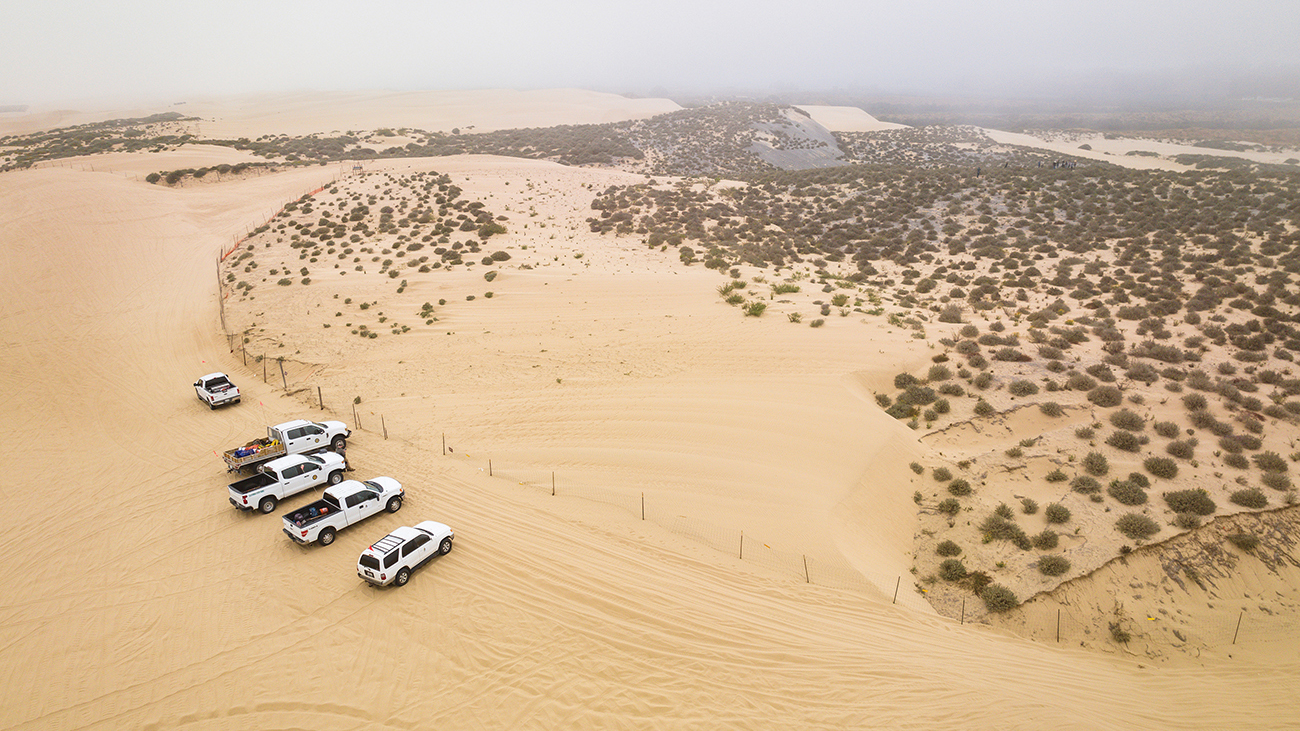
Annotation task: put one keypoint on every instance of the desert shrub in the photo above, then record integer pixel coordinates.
(903, 380)
(1166, 429)
(939, 372)
(978, 361)
(1203, 419)
(1004, 511)
(916, 467)
(983, 380)
(1187, 521)
(1182, 449)
(1095, 463)
(1080, 382)
(1248, 441)
(1126, 492)
(959, 487)
(1053, 565)
(1276, 480)
(983, 408)
(948, 548)
(1051, 408)
(1194, 402)
(952, 569)
(1161, 467)
(1085, 432)
(998, 598)
(1056, 475)
(1269, 462)
(1046, 541)
(1244, 541)
(949, 506)
(1139, 479)
(1125, 440)
(952, 389)
(1236, 461)
(1195, 501)
(1101, 372)
(1251, 497)
(1085, 484)
(967, 347)
(1106, 396)
(1057, 513)
(1142, 372)
(1022, 388)
(1137, 526)
(1028, 506)
(1125, 419)
(1047, 352)
(999, 527)
(941, 474)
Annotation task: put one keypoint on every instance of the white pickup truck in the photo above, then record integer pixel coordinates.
(280, 478)
(292, 437)
(392, 558)
(345, 504)
(215, 389)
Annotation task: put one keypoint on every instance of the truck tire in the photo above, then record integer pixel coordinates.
(212, 406)
(336, 477)
(444, 548)
(326, 536)
(403, 576)
(267, 505)
(339, 444)
(394, 504)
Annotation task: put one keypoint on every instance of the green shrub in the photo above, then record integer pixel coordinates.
(1080, 382)
(916, 467)
(1194, 402)
(1187, 521)
(1251, 497)
(941, 474)
(948, 548)
(1056, 475)
(1053, 565)
(1004, 511)
(1244, 541)
(285, 282)
(1237, 461)
(1270, 462)
(1022, 388)
(983, 408)
(1125, 419)
(903, 380)
(1085, 484)
(1166, 429)
(1015, 453)
(952, 569)
(949, 506)
(983, 380)
(1095, 463)
(1195, 501)
(1276, 480)
(1047, 540)
(1057, 513)
(1181, 449)
(817, 323)
(1028, 506)
(1125, 440)
(1085, 432)
(959, 487)
(1139, 479)
(754, 309)
(1137, 526)
(939, 373)
(1161, 467)
(998, 598)
(1126, 492)
(1051, 408)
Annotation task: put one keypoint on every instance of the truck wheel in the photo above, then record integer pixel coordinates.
(444, 548)
(339, 444)
(336, 477)
(403, 576)
(212, 406)
(394, 504)
(326, 537)
(267, 505)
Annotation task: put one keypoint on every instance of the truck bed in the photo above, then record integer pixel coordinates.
(311, 513)
(255, 452)
(249, 484)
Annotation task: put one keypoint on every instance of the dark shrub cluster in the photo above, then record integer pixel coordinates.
(998, 598)
(1161, 467)
(1251, 497)
(1106, 396)
(948, 548)
(1137, 526)
(1057, 513)
(1196, 501)
(1126, 492)
(1095, 463)
(1053, 565)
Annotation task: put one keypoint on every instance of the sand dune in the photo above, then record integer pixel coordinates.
(146, 601)
(847, 119)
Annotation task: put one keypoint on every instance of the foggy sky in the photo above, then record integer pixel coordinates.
(62, 50)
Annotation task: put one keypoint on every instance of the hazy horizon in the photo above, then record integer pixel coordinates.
(145, 49)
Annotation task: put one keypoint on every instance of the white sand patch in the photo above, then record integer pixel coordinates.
(846, 119)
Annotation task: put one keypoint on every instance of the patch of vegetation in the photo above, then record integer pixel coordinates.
(1137, 526)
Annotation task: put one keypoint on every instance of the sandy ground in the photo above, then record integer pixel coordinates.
(146, 601)
(847, 119)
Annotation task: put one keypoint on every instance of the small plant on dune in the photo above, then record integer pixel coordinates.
(1056, 475)
(1166, 429)
(938, 372)
(949, 506)
(1095, 463)
(959, 487)
(1106, 396)
(1137, 526)
(1051, 408)
(1047, 540)
(1251, 497)
(948, 548)
(998, 598)
(1270, 462)
(795, 317)
(1125, 419)
(754, 309)
(916, 467)
(1161, 467)
(1276, 480)
(1237, 461)
(1119, 634)
(1057, 513)
(1085, 432)
(817, 323)
(1004, 511)
(1053, 565)
(1124, 440)
(952, 569)
(1195, 501)
(941, 474)
(983, 408)
(1028, 506)
(1187, 521)
(1015, 453)
(1244, 541)
(1182, 449)
(1126, 492)
(1022, 388)
(1085, 484)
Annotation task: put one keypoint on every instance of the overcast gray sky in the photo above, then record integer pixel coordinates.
(69, 49)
